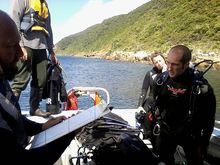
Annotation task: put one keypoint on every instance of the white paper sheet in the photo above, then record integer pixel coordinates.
(69, 125)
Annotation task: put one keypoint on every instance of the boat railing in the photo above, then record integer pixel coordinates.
(91, 91)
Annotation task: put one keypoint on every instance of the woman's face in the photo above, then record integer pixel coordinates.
(158, 62)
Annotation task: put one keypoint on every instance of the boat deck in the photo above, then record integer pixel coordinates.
(129, 115)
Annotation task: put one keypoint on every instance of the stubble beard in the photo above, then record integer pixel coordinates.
(10, 71)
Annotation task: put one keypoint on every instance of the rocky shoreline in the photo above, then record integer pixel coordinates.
(143, 57)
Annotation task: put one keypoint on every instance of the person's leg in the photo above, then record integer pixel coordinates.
(155, 140)
(166, 148)
(39, 71)
(193, 151)
(22, 78)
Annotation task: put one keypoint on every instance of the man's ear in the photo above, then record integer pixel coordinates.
(186, 66)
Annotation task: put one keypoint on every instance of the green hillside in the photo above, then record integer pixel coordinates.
(155, 26)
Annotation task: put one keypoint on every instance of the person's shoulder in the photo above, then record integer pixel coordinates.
(198, 77)
(149, 73)
(202, 84)
(160, 81)
(162, 77)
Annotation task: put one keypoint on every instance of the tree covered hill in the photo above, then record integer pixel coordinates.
(154, 26)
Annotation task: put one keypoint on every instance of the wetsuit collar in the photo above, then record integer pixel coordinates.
(186, 76)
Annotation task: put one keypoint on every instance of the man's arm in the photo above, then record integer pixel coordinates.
(206, 111)
(17, 13)
(145, 87)
(209, 115)
(13, 153)
(31, 127)
(50, 43)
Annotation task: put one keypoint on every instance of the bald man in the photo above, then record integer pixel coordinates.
(187, 118)
(14, 127)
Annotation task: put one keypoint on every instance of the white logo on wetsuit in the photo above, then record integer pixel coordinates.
(175, 91)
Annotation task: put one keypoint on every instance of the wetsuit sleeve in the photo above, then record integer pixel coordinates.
(145, 87)
(31, 127)
(209, 109)
(204, 119)
(12, 153)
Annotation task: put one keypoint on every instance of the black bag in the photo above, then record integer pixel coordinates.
(54, 90)
(112, 141)
(126, 149)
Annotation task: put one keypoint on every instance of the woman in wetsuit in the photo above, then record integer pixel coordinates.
(146, 98)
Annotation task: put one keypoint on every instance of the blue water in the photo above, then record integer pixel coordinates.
(123, 80)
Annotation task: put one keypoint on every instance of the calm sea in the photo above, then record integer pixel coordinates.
(123, 80)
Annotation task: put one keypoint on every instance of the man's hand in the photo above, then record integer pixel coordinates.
(25, 54)
(140, 114)
(54, 58)
(140, 109)
(53, 121)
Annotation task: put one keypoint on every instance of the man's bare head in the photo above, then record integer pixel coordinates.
(178, 60)
(10, 50)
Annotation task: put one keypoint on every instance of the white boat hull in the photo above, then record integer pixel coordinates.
(129, 116)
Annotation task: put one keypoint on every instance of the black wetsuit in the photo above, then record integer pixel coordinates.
(146, 96)
(146, 101)
(186, 119)
(14, 132)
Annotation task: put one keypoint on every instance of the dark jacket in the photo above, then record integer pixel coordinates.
(14, 131)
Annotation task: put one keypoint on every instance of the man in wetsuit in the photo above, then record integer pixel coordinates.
(14, 127)
(187, 106)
